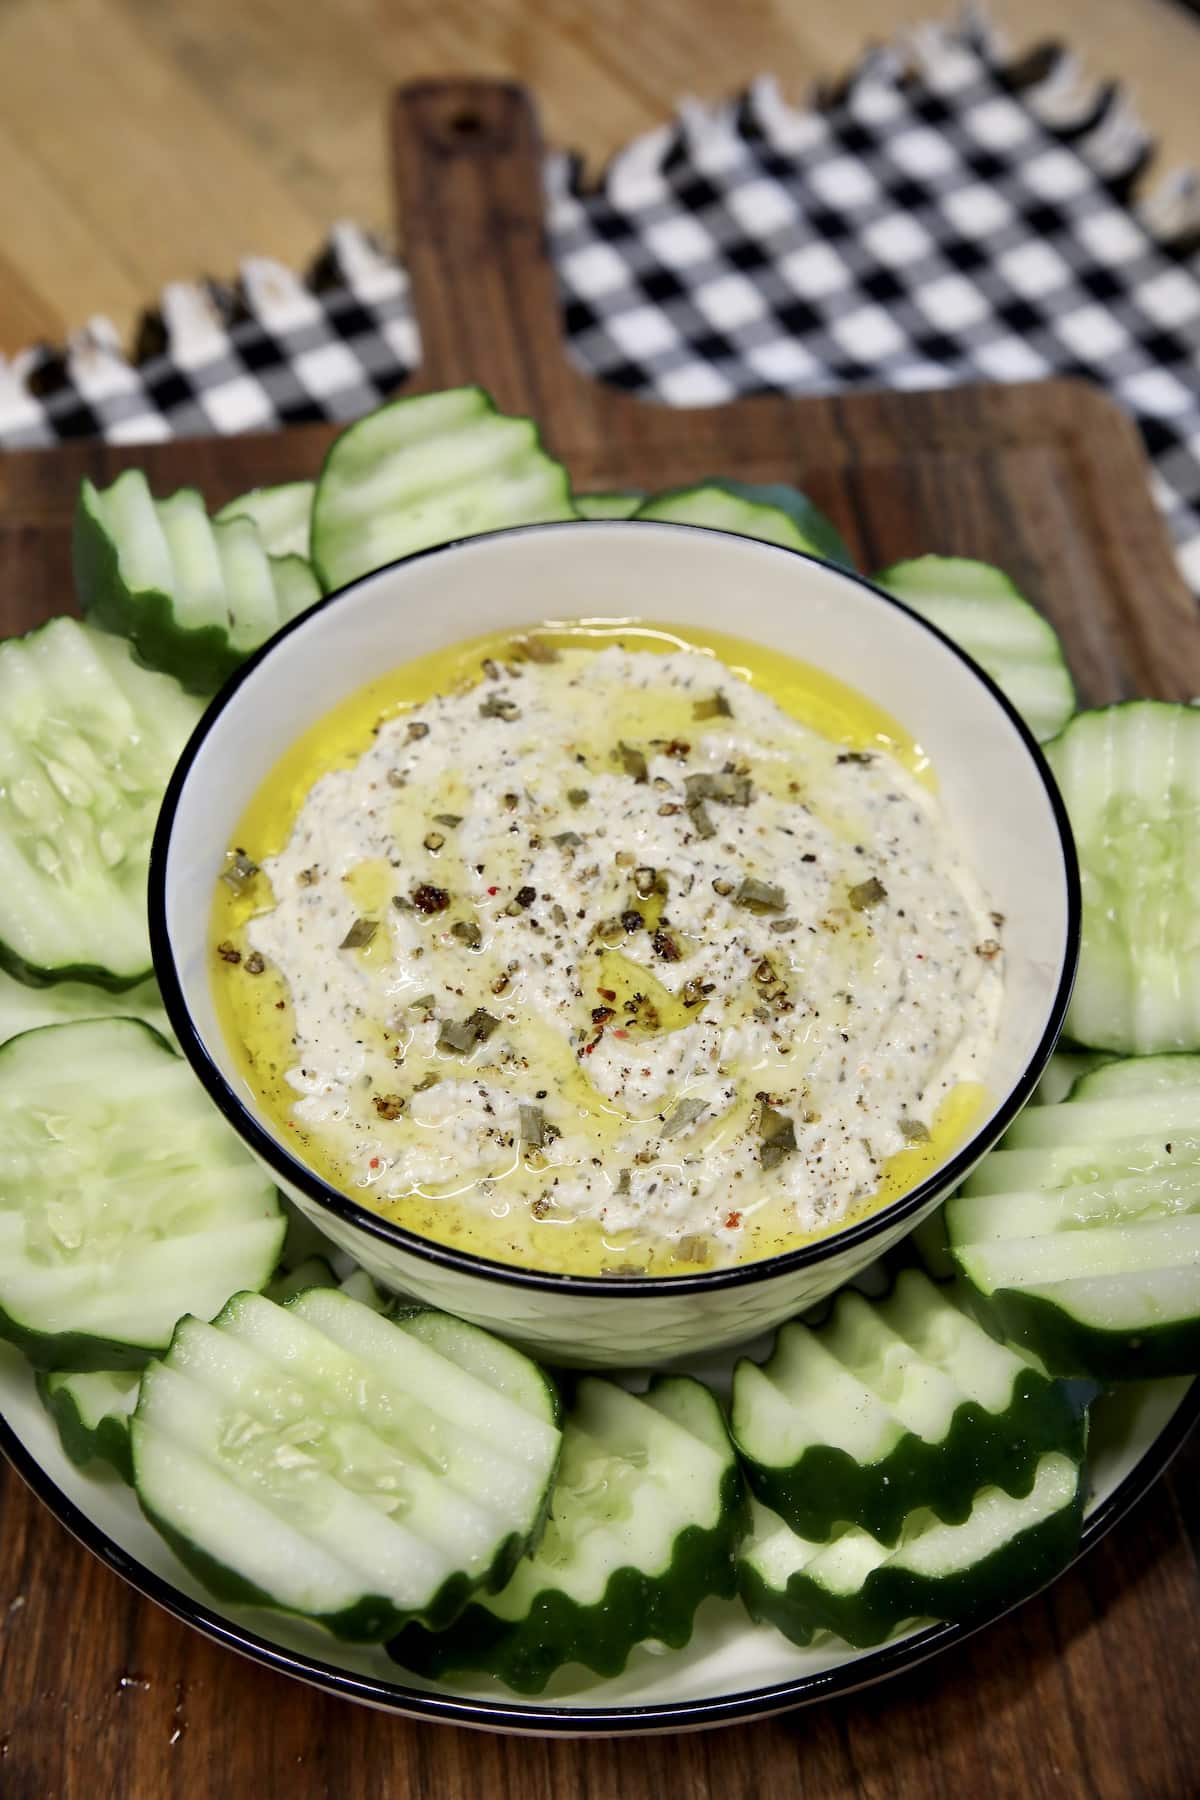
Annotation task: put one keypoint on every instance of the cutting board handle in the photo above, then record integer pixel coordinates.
(467, 162)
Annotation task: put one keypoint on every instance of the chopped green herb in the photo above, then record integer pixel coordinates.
(567, 840)
(229, 952)
(684, 1113)
(624, 1177)
(913, 1131)
(497, 707)
(692, 1249)
(239, 870)
(360, 934)
(254, 964)
(725, 789)
(449, 820)
(535, 648)
(716, 707)
(533, 1126)
(433, 840)
(632, 761)
(416, 729)
(760, 896)
(866, 894)
(463, 1034)
(777, 1136)
(388, 1106)
(701, 819)
(467, 932)
(577, 796)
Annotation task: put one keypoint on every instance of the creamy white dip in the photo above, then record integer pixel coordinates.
(532, 961)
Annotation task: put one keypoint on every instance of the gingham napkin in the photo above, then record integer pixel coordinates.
(946, 215)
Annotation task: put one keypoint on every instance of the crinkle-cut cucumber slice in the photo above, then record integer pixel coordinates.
(125, 1199)
(296, 587)
(1065, 1068)
(193, 595)
(1130, 777)
(776, 513)
(856, 1587)
(282, 515)
(92, 1409)
(316, 1458)
(980, 609)
(314, 1271)
(25, 1008)
(1083, 1242)
(360, 1286)
(488, 1358)
(88, 739)
(423, 471)
(644, 1517)
(608, 506)
(1137, 1077)
(892, 1405)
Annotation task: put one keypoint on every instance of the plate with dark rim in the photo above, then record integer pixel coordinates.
(731, 1671)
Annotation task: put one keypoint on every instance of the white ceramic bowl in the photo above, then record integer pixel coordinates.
(995, 787)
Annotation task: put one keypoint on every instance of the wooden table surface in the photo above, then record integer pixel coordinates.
(147, 141)
(1089, 1689)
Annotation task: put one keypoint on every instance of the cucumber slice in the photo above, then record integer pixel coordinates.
(776, 513)
(487, 1358)
(92, 1410)
(1130, 777)
(316, 1459)
(1065, 1068)
(892, 1405)
(980, 609)
(423, 471)
(125, 1199)
(296, 587)
(644, 1518)
(1083, 1242)
(88, 740)
(25, 1008)
(1137, 1078)
(931, 1246)
(359, 1286)
(314, 1271)
(194, 596)
(607, 506)
(854, 1586)
(282, 515)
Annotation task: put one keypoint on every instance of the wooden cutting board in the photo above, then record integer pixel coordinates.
(1089, 1689)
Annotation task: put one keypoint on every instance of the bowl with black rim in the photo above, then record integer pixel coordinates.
(996, 792)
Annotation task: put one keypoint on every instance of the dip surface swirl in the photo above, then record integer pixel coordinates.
(611, 941)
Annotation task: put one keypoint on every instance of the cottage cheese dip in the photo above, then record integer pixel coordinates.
(607, 960)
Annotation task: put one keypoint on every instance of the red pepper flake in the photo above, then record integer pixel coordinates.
(620, 1032)
(494, 890)
(733, 1221)
(374, 1163)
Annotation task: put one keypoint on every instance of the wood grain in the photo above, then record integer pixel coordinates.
(1088, 1689)
(146, 141)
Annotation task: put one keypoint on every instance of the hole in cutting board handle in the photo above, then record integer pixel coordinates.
(467, 124)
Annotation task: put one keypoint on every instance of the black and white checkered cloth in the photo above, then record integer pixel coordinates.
(946, 215)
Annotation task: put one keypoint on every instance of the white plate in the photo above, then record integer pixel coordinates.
(732, 1670)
